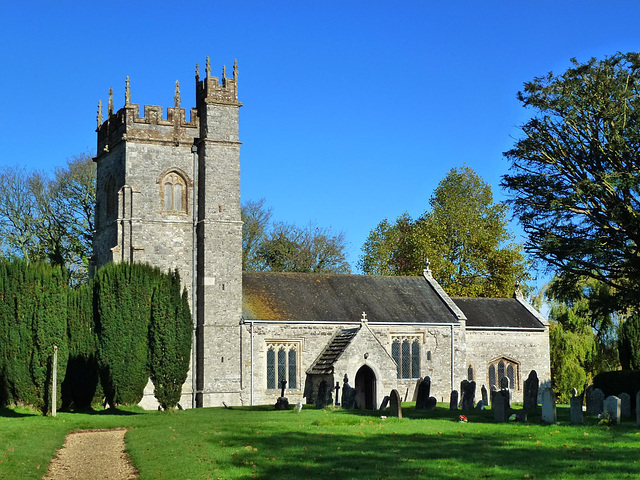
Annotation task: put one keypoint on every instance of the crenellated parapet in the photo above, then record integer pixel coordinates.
(152, 127)
(223, 90)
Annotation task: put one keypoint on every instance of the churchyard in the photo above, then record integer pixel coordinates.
(260, 442)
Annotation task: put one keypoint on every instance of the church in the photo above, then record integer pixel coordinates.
(168, 194)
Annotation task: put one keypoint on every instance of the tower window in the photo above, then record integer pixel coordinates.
(173, 193)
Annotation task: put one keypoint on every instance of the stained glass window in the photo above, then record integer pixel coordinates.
(271, 368)
(406, 353)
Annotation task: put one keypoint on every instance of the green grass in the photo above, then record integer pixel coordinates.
(333, 444)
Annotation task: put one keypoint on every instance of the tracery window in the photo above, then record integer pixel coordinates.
(405, 351)
(503, 367)
(173, 193)
(282, 364)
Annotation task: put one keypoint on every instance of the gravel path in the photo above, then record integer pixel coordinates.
(92, 454)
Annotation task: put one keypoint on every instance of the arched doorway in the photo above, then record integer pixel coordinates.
(366, 388)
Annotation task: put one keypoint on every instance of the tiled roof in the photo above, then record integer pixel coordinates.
(497, 313)
(330, 297)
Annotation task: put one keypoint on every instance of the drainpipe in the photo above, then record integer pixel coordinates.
(251, 364)
(194, 150)
(452, 360)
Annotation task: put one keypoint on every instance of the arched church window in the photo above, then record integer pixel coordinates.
(503, 367)
(510, 376)
(405, 351)
(271, 368)
(492, 376)
(282, 364)
(173, 193)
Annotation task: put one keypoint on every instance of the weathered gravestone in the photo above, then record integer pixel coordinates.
(504, 387)
(480, 405)
(595, 403)
(337, 394)
(463, 387)
(282, 403)
(530, 395)
(415, 391)
(638, 408)
(348, 394)
(453, 401)
(625, 406)
(485, 396)
(575, 409)
(431, 403)
(423, 393)
(612, 407)
(469, 396)
(395, 404)
(321, 397)
(549, 406)
(385, 402)
(493, 392)
(499, 407)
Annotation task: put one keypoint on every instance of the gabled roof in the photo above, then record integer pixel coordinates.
(324, 363)
(497, 313)
(313, 297)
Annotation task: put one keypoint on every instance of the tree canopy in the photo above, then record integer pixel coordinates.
(50, 217)
(575, 175)
(282, 247)
(463, 236)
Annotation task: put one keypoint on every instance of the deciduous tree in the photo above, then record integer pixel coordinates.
(463, 235)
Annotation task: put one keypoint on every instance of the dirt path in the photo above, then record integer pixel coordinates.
(92, 454)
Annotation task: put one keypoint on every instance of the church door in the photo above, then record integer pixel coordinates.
(366, 388)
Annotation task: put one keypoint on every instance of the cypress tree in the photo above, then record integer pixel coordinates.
(629, 343)
(169, 340)
(122, 303)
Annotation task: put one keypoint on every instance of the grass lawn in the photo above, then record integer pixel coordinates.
(262, 443)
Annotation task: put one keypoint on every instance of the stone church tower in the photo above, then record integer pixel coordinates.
(167, 185)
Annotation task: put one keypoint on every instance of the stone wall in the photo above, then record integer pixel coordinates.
(528, 349)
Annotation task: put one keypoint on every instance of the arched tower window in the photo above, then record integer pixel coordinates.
(112, 199)
(173, 192)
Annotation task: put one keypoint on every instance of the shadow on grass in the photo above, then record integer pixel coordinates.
(424, 455)
(11, 413)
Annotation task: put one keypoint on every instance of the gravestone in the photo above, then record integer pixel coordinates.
(469, 396)
(504, 387)
(588, 399)
(282, 403)
(453, 401)
(625, 406)
(385, 402)
(348, 394)
(504, 383)
(321, 397)
(485, 396)
(463, 386)
(638, 408)
(499, 407)
(597, 402)
(337, 394)
(549, 414)
(395, 404)
(431, 403)
(530, 395)
(493, 392)
(423, 393)
(612, 407)
(415, 391)
(575, 409)
(481, 405)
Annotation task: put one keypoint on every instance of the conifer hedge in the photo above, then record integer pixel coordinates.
(33, 318)
(170, 335)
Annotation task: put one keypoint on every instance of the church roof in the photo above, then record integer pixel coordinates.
(497, 313)
(333, 350)
(315, 297)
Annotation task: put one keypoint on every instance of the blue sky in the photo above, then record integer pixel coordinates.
(353, 110)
